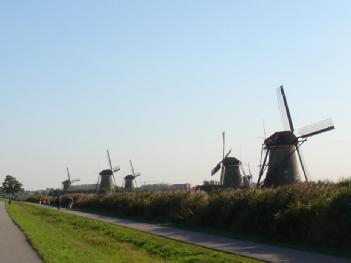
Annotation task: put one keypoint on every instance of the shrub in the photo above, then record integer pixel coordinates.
(315, 213)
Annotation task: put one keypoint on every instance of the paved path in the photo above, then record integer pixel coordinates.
(14, 248)
(245, 248)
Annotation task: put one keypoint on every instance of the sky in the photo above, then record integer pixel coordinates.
(158, 81)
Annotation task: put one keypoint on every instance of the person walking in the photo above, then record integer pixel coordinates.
(58, 202)
(70, 202)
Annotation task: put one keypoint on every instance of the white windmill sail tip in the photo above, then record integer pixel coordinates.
(316, 128)
(68, 174)
(132, 168)
(109, 159)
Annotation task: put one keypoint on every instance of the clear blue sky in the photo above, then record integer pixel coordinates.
(157, 82)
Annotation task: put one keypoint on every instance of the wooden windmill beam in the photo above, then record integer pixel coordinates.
(262, 168)
(287, 109)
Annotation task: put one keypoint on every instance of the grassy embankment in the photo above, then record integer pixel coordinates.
(314, 214)
(60, 237)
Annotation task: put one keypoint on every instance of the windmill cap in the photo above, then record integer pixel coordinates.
(231, 161)
(106, 172)
(129, 177)
(281, 138)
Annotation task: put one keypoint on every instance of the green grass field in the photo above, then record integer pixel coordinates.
(60, 237)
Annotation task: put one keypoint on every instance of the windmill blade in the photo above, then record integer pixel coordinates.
(124, 182)
(68, 174)
(316, 128)
(303, 163)
(114, 180)
(97, 183)
(223, 137)
(262, 167)
(222, 175)
(284, 110)
(137, 174)
(131, 165)
(242, 170)
(135, 181)
(75, 180)
(248, 165)
(109, 159)
(116, 169)
(218, 166)
(216, 169)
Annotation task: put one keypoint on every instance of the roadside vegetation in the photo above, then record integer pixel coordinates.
(314, 214)
(60, 237)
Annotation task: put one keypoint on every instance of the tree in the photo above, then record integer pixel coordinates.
(11, 185)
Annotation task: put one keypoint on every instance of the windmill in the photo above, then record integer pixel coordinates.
(129, 180)
(282, 149)
(105, 177)
(230, 169)
(247, 178)
(67, 183)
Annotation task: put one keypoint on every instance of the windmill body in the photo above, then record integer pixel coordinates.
(283, 165)
(67, 183)
(282, 149)
(105, 183)
(231, 172)
(129, 180)
(231, 175)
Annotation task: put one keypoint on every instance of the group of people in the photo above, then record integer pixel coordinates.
(59, 202)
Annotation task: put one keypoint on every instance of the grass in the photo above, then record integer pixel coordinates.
(332, 251)
(317, 214)
(60, 237)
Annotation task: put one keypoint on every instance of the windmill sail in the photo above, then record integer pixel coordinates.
(113, 170)
(109, 159)
(97, 183)
(284, 110)
(131, 166)
(303, 163)
(216, 168)
(75, 180)
(223, 136)
(68, 174)
(316, 128)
